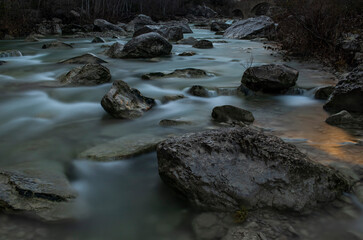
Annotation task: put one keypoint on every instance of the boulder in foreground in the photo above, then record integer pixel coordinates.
(230, 168)
(125, 102)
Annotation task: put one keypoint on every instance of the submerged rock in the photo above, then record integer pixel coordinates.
(10, 53)
(125, 102)
(122, 148)
(228, 113)
(103, 25)
(56, 44)
(147, 46)
(347, 94)
(167, 99)
(203, 44)
(84, 59)
(324, 93)
(186, 54)
(271, 78)
(188, 41)
(39, 193)
(228, 168)
(178, 73)
(98, 40)
(168, 123)
(198, 91)
(87, 75)
(250, 28)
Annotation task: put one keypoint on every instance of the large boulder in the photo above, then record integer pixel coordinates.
(230, 168)
(250, 28)
(84, 59)
(348, 94)
(103, 25)
(125, 102)
(10, 53)
(87, 75)
(228, 113)
(172, 33)
(270, 78)
(146, 46)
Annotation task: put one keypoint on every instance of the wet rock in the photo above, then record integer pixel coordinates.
(228, 168)
(250, 28)
(138, 22)
(147, 46)
(57, 44)
(348, 94)
(168, 123)
(167, 99)
(182, 24)
(84, 59)
(115, 51)
(178, 73)
(123, 148)
(346, 120)
(219, 26)
(324, 93)
(203, 44)
(211, 225)
(228, 113)
(188, 41)
(271, 78)
(103, 25)
(203, 11)
(87, 75)
(171, 33)
(186, 54)
(40, 193)
(10, 53)
(241, 233)
(98, 40)
(198, 91)
(125, 102)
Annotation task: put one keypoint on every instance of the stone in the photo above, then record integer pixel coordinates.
(203, 11)
(138, 22)
(240, 233)
(346, 120)
(171, 33)
(187, 41)
(87, 75)
(203, 44)
(198, 91)
(49, 27)
(270, 78)
(219, 26)
(10, 53)
(148, 45)
(115, 51)
(228, 113)
(182, 24)
(167, 99)
(123, 148)
(84, 59)
(250, 28)
(168, 123)
(228, 168)
(186, 54)
(178, 73)
(104, 25)
(323, 93)
(57, 44)
(347, 94)
(32, 38)
(211, 225)
(124, 102)
(98, 40)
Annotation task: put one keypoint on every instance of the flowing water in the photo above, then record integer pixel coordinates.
(48, 126)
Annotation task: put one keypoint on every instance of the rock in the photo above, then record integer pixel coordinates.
(347, 94)
(171, 33)
(125, 102)
(228, 113)
(346, 120)
(240, 233)
(70, 29)
(49, 27)
(323, 93)
(168, 123)
(98, 40)
(10, 53)
(115, 51)
(87, 75)
(211, 225)
(186, 54)
(203, 11)
(271, 78)
(219, 26)
(187, 41)
(103, 25)
(123, 148)
(147, 46)
(198, 91)
(42, 193)
(178, 73)
(203, 44)
(183, 25)
(84, 59)
(228, 168)
(350, 42)
(138, 22)
(250, 28)
(167, 99)
(56, 44)
(31, 38)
